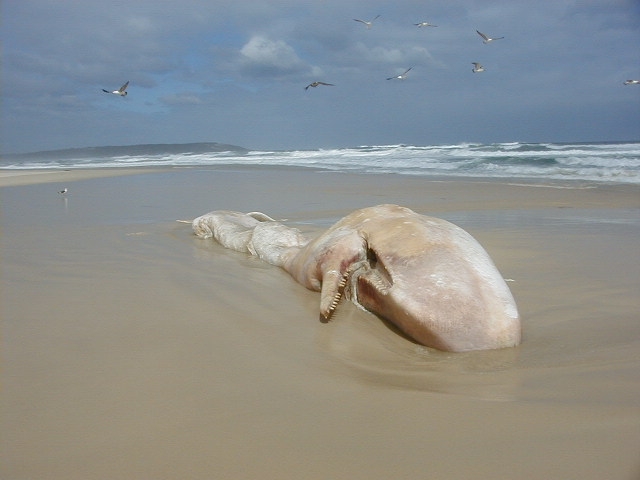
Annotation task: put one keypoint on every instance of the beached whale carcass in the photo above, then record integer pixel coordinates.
(427, 276)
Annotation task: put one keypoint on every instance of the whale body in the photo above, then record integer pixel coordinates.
(427, 276)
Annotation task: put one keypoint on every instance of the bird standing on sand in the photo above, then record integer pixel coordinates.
(122, 91)
(486, 39)
(367, 24)
(425, 24)
(402, 76)
(632, 82)
(315, 84)
(477, 68)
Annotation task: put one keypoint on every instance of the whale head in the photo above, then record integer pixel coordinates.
(426, 276)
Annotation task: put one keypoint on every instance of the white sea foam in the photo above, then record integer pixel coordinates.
(602, 162)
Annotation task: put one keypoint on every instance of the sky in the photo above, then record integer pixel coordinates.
(235, 71)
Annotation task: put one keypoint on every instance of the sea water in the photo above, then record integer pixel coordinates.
(616, 162)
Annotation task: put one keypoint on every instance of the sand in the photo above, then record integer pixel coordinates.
(134, 350)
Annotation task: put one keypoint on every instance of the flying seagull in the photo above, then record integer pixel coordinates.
(486, 39)
(368, 24)
(315, 84)
(477, 68)
(402, 76)
(63, 191)
(122, 91)
(632, 82)
(425, 24)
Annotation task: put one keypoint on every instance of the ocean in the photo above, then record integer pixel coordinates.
(615, 162)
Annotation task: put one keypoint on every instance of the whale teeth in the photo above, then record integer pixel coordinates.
(343, 281)
(378, 281)
(335, 302)
(338, 296)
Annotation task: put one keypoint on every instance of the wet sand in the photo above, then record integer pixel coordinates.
(134, 350)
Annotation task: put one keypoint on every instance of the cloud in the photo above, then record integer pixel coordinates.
(393, 55)
(263, 56)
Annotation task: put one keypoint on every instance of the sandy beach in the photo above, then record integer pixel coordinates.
(134, 350)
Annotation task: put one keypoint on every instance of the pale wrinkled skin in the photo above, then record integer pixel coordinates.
(427, 276)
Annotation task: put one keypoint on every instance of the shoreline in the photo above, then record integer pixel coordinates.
(15, 177)
(445, 194)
